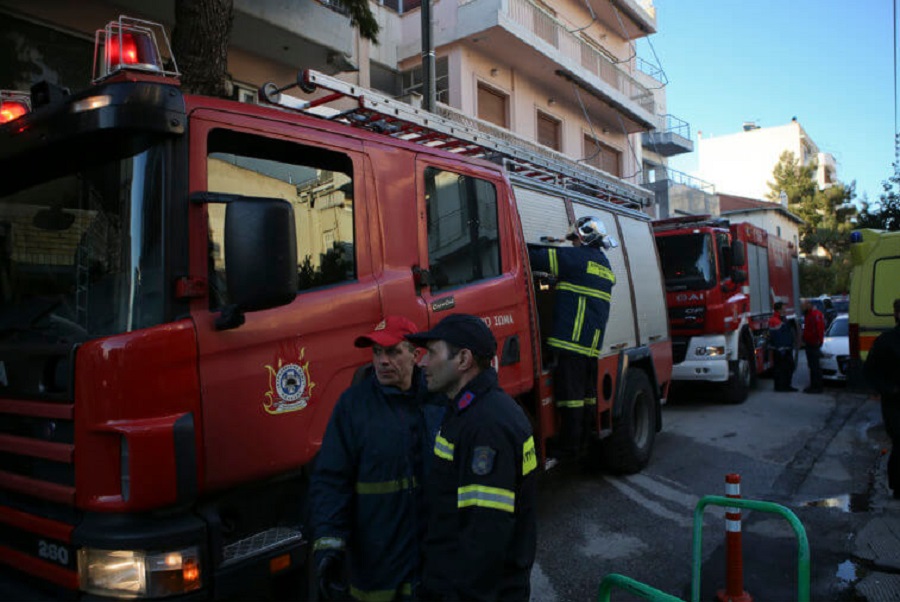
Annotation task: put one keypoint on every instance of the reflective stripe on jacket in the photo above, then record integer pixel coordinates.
(366, 490)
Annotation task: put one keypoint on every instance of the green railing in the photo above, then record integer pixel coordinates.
(614, 580)
(727, 502)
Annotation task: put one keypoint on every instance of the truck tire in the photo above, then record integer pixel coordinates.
(627, 450)
(740, 375)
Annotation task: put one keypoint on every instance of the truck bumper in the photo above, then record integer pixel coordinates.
(701, 370)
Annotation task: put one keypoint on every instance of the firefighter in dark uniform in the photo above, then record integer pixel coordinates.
(882, 370)
(367, 494)
(583, 294)
(481, 537)
(781, 342)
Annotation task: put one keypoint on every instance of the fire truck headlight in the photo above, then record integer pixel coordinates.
(138, 574)
(710, 351)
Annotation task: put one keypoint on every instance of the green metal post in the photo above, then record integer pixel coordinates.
(802, 542)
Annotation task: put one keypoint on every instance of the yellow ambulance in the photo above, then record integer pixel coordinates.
(874, 284)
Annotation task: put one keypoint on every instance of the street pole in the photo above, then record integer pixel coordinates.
(429, 93)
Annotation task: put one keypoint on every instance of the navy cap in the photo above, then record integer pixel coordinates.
(460, 330)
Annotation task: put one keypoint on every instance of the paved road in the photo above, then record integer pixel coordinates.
(815, 454)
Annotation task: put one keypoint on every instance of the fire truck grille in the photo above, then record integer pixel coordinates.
(37, 488)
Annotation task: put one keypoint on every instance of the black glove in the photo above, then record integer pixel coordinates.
(330, 575)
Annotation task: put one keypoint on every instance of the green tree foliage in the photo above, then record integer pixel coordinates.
(826, 213)
(884, 214)
(817, 278)
(202, 33)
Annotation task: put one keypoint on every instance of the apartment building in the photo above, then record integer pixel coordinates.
(562, 74)
(742, 163)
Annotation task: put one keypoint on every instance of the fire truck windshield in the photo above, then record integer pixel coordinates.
(81, 253)
(688, 261)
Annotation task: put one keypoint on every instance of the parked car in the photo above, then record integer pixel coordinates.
(841, 303)
(836, 349)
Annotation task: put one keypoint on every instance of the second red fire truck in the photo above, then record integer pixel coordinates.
(722, 280)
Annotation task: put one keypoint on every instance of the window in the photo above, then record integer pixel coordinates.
(463, 237)
(492, 106)
(602, 156)
(885, 285)
(548, 130)
(317, 182)
(412, 80)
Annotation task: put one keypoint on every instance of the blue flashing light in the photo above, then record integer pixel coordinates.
(856, 237)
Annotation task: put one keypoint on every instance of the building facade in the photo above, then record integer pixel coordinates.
(742, 163)
(564, 75)
(774, 218)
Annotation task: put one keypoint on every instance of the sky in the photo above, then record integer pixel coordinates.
(830, 63)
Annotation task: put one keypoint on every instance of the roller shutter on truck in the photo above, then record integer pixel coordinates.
(758, 259)
(649, 296)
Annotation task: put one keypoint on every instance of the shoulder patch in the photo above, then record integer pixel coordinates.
(483, 460)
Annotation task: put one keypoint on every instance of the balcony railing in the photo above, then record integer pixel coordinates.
(584, 51)
(676, 125)
(679, 177)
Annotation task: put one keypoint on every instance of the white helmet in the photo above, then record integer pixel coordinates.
(591, 231)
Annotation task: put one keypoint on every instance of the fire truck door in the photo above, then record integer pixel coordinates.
(269, 384)
(467, 245)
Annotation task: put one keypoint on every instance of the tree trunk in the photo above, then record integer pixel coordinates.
(200, 44)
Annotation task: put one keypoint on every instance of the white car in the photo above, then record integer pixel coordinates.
(836, 349)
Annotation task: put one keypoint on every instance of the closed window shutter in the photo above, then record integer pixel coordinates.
(492, 106)
(548, 131)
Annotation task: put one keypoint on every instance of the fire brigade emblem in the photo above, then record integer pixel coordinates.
(483, 460)
(289, 387)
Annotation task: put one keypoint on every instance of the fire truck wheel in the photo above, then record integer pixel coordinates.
(627, 450)
(740, 375)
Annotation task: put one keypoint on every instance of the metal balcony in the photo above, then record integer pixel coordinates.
(675, 139)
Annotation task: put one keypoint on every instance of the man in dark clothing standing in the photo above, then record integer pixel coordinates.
(813, 337)
(583, 295)
(882, 370)
(781, 342)
(482, 530)
(368, 504)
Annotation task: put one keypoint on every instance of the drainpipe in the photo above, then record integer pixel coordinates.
(429, 90)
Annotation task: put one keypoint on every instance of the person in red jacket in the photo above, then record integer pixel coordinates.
(813, 337)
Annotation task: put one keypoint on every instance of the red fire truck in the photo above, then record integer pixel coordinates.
(181, 282)
(722, 280)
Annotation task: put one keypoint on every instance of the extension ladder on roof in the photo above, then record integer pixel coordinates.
(454, 132)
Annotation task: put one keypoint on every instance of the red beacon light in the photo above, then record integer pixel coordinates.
(13, 105)
(132, 45)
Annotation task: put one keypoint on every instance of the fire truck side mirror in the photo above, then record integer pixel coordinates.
(738, 276)
(261, 253)
(737, 254)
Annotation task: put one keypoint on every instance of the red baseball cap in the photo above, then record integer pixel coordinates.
(388, 332)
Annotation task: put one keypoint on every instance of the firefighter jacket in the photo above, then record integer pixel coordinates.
(366, 492)
(482, 527)
(881, 368)
(781, 336)
(583, 293)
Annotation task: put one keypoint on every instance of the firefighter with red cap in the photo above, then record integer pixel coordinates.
(368, 505)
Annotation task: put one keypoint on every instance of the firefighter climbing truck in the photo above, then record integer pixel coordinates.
(181, 282)
(722, 280)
